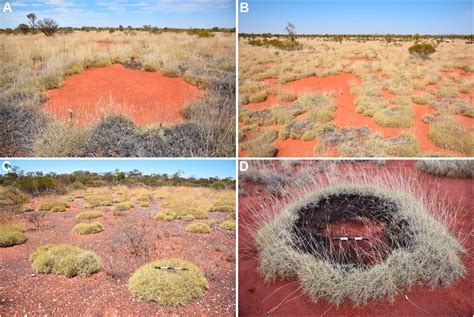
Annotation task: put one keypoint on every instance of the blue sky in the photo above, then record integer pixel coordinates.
(190, 167)
(359, 17)
(161, 13)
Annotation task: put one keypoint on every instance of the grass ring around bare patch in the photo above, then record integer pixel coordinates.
(169, 282)
(406, 245)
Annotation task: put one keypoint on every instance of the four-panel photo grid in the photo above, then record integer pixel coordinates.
(236, 158)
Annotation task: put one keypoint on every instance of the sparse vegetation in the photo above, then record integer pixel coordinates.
(228, 225)
(449, 168)
(53, 206)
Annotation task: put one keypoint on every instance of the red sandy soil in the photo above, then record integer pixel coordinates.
(22, 291)
(346, 116)
(366, 250)
(145, 97)
(256, 298)
(105, 44)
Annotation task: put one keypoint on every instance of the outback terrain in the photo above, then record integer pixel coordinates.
(118, 92)
(266, 284)
(126, 228)
(354, 97)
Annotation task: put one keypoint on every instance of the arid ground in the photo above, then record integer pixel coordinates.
(285, 297)
(24, 291)
(355, 99)
(150, 85)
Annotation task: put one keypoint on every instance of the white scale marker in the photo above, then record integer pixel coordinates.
(351, 238)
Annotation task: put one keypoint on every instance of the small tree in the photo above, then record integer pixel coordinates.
(32, 18)
(48, 26)
(23, 28)
(290, 29)
(422, 50)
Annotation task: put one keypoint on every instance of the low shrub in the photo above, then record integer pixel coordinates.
(88, 228)
(198, 227)
(171, 282)
(91, 214)
(218, 185)
(422, 50)
(11, 235)
(124, 206)
(259, 97)
(53, 206)
(165, 215)
(188, 217)
(228, 225)
(78, 185)
(65, 259)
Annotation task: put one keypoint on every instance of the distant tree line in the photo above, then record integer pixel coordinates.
(49, 27)
(38, 182)
(362, 37)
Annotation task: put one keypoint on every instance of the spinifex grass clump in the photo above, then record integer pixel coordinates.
(407, 241)
(11, 235)
(171, 282)
(65, 259)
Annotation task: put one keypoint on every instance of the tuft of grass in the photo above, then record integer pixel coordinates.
(450, 135)
(261, 146)
(451, 168)
(124, 206)
(259, 97)
(395, 117)
(54, 206)
(187, 217)
(165, 215)
(198, 227)
(88, 228)
(228, 225)
(65, 259)
(90, 214)
(287, 97)
(167, 286)
(11, 234)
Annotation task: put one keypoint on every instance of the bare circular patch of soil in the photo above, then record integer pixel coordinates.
(145, 97)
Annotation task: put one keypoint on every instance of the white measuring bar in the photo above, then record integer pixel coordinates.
(351, 238)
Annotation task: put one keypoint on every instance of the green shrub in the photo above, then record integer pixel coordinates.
(320, 116)
(228, 225)
(91, 214)
(165, 215)
(422, 50)
(198, 227)
(65, 259)
(53, 206)
(78, 185)
(88, 228)
(97, 201)
(144, 205)
(218, 185)
(11, 235)
(166, 286)
(421, 100)
(124, 206)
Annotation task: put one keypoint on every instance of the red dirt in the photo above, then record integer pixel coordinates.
(145, 97)
(345, 114)
(295, 148)
(105, 44)
(24, 292)
(257, 298)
